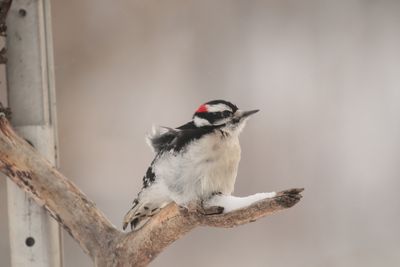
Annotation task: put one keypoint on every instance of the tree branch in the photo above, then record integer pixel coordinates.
(4, 8)
(105, 244)
(50, 189)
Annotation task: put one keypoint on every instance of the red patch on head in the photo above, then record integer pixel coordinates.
(201, 109)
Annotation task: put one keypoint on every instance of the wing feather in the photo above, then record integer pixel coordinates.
(161, 138)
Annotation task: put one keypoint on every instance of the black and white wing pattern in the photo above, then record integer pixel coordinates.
(162, 140)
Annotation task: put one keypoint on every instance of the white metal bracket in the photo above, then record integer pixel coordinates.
(34, 235)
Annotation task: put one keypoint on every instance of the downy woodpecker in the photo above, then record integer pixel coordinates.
(193, 162)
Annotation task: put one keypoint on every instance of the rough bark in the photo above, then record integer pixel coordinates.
(4, 7)
(78, 215)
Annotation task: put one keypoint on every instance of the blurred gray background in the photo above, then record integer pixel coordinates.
(325, 75)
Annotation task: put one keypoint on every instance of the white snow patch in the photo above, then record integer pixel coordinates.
(231, 203)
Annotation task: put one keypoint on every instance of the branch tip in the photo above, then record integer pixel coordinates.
(5, 112)
(289, 198)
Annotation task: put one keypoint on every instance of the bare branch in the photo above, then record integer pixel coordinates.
(49, 188)
(91, 229)
(257, 210)
(173, 222)
(4, 8)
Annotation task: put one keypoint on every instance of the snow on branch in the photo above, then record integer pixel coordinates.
(103, 242)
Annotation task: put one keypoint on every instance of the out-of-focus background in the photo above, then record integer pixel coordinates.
(326, 76)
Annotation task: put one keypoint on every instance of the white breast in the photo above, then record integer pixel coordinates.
(222, 164)
(208, 166)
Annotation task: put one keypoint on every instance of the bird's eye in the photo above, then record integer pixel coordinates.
(226, 113)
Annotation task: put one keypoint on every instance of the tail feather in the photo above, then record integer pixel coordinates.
(140, 214)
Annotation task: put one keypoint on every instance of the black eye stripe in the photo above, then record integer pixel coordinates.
(226, 113)
(214, 116)
(210, 116)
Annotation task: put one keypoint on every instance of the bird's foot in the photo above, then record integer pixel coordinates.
(198, 207)
(214, 210)
(209, 210)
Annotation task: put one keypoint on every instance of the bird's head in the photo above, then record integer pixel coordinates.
(221, 114)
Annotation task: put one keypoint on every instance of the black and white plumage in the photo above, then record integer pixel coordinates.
(192, 162)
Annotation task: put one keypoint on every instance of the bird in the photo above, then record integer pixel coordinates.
(193, 162)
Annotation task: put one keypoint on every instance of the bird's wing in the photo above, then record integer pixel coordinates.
(188, 126)
(168, 139)
(161, 138)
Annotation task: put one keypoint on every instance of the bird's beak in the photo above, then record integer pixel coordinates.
(248, 113)
(242, 115)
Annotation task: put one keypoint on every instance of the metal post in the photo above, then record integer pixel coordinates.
(34, 236)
